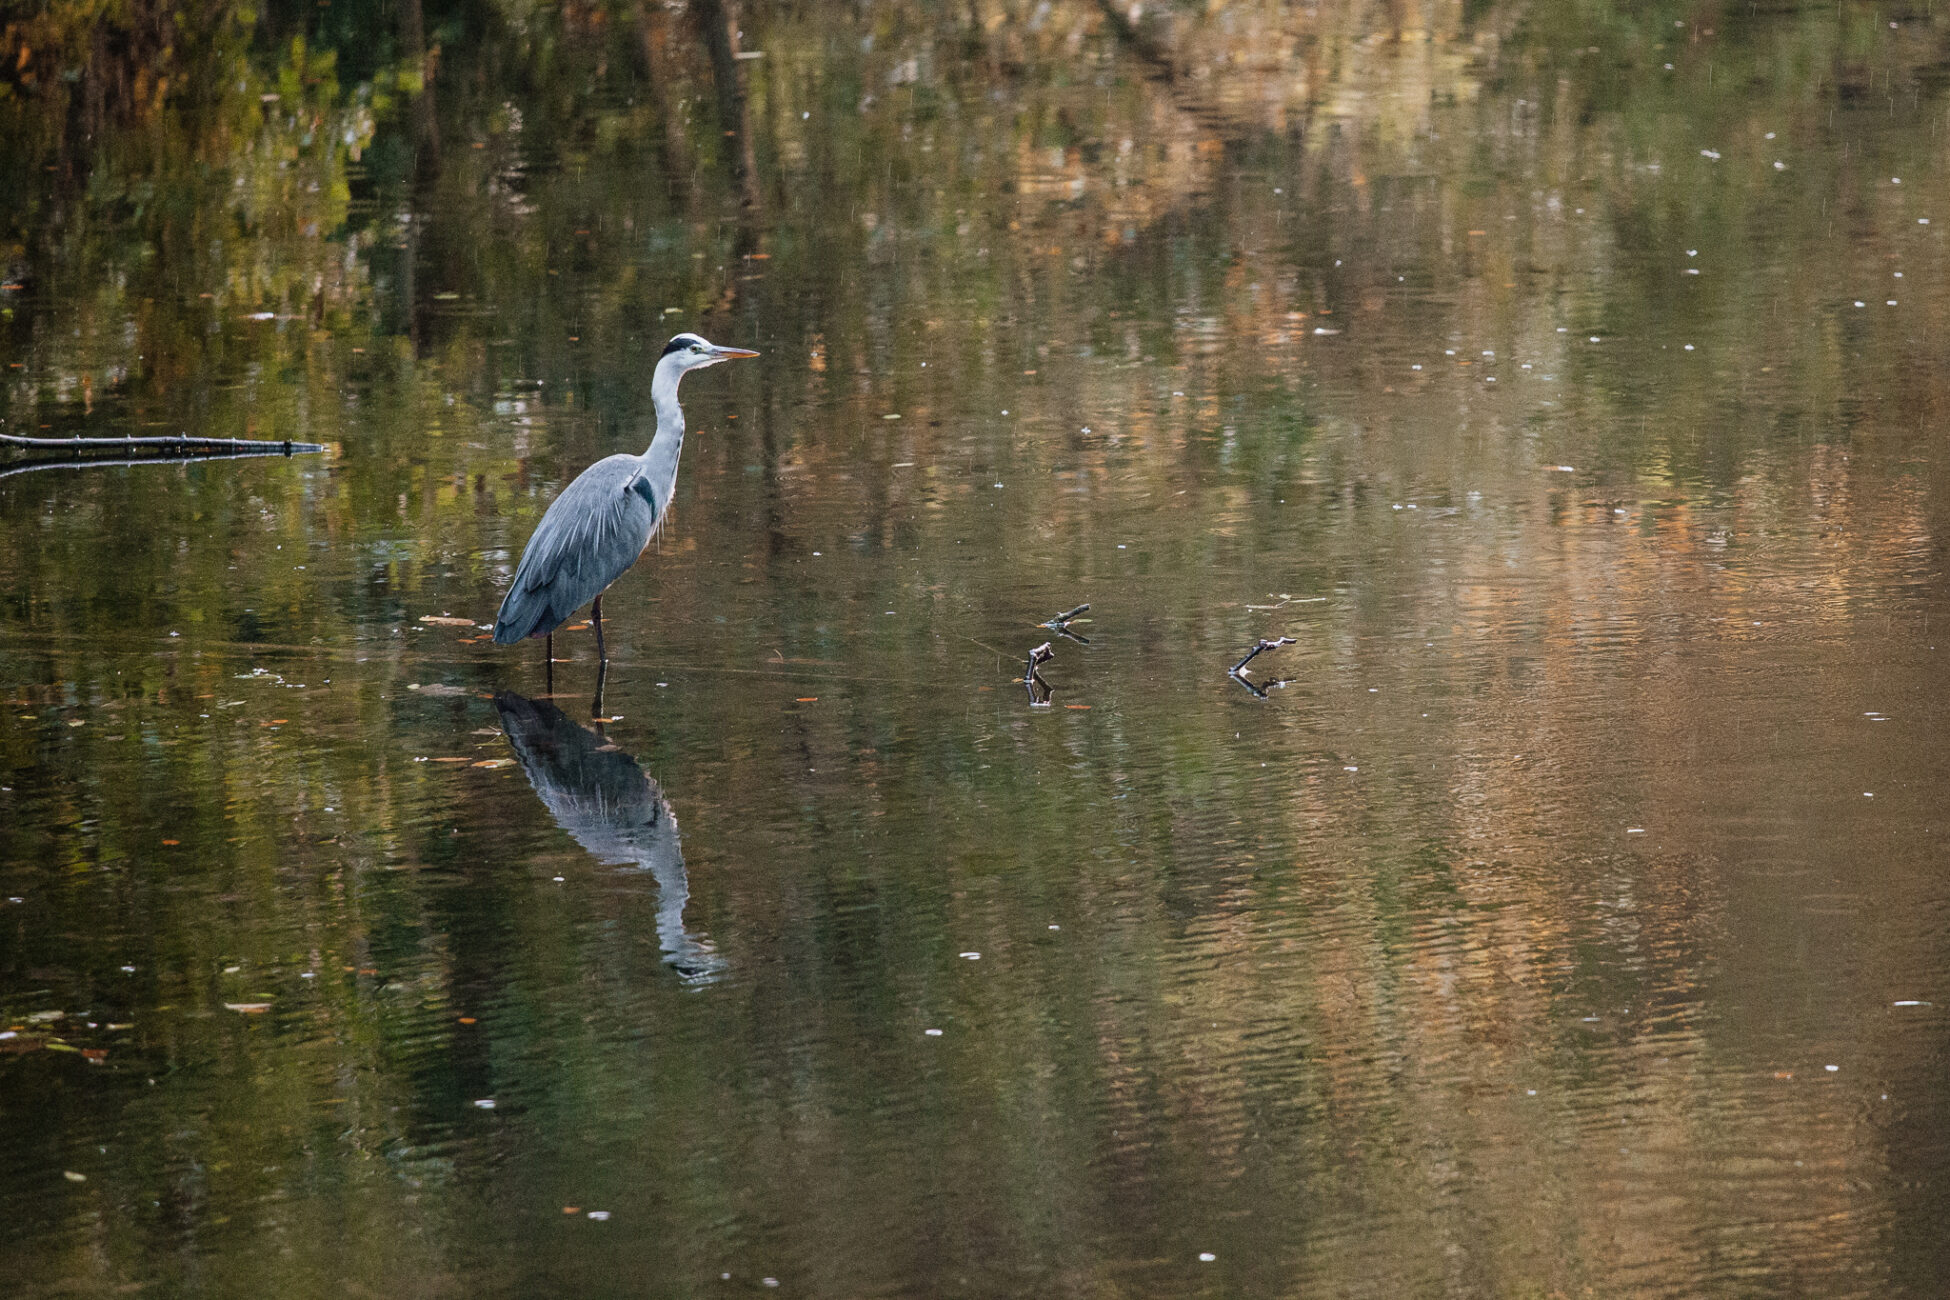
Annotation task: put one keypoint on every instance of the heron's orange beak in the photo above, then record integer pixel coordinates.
(728, 354)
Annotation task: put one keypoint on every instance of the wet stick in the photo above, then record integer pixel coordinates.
(1264, 645)
(179, 444)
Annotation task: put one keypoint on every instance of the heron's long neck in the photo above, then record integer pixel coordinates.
(660, 458)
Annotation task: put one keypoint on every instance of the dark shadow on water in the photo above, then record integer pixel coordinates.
(599, 795)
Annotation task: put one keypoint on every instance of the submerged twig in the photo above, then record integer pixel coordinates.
(1068, 614)
(1264, 645)
(1286, 600)
(180, 443)
(93, 462)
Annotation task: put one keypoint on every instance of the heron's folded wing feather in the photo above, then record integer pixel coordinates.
(588, 538)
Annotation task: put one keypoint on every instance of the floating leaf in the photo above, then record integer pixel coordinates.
(248, 1008)
(437, 688)
(442, 620)
(496, 762)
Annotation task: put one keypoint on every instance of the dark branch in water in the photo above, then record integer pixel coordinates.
(1061, 624)
(1263, 646)
(181, 444)
(1042, 654)
(1039, 690)
(94, 462)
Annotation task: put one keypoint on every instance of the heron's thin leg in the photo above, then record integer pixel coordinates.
(596, 617)
(548, 652)
(596, 705)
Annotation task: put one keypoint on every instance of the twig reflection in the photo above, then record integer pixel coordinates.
(1238, 671)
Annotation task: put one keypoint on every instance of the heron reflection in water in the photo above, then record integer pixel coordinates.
(599, 795)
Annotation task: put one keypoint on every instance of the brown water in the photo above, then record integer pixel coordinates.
(1573, 918)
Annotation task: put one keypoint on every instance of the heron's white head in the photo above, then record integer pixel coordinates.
(690, 352)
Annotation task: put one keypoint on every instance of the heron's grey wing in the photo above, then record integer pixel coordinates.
(588, 538)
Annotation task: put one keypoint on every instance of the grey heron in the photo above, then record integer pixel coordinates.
(591, 534)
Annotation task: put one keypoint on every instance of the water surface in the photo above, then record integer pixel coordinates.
(1565, 911)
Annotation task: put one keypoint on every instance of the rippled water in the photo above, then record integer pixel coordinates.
(1564, 911)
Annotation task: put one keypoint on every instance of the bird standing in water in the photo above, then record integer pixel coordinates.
(596, 529)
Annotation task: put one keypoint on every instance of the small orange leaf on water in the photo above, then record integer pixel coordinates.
(572, 1209)
(467, 1020)
(496, 762)
(807, 699)
(274, 722)
(1076, 706)
(172, 843)
(95, 1054)
(1784, 1074)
